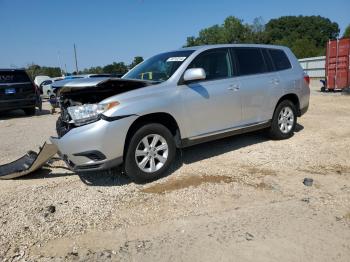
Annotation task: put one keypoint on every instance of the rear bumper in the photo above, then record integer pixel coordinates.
(17, 104)
(104, 138)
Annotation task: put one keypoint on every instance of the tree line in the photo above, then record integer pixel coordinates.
(115, 68)
(305, 35)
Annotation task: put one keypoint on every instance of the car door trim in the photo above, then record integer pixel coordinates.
(224, 133)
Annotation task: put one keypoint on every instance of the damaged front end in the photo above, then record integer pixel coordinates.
(87, 93)
(75, 95)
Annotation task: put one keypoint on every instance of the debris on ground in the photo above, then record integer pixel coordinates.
(308, 181)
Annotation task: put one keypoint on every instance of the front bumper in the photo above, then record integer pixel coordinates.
(105, 138)
(304, 110)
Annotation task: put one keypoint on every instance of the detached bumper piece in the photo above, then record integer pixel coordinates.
(28, 163)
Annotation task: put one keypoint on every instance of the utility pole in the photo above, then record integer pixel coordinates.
(76, 60)
(59, 62)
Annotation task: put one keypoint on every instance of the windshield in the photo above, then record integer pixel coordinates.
(160, 67)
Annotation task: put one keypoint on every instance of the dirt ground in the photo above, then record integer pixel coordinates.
(236, 199)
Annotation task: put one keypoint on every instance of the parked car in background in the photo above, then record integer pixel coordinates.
(17, 91)
(177, 99)
(46, 87)
(39, 79)
(86, 76)
(72, 77)
(51, 92)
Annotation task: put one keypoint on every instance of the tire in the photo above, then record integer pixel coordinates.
(39, 103)
(162, 159)
(29, 111)
(282, 127)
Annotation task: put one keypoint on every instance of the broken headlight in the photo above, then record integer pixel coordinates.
(88, 113)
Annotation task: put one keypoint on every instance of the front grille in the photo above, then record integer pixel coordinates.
(96, 157)
(93, 155)
(88, 167)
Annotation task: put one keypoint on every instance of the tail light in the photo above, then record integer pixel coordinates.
(307, 79)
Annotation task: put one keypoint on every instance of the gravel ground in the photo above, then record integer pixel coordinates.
(240, 198)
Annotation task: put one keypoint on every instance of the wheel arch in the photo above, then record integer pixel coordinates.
(162, 118)
(294, 99)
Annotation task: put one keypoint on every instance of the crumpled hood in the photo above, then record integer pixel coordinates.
(84, 84)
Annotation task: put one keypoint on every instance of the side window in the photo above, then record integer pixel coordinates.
(268, 61)
(280, 59)
(46, 82)
(249, 60)
(216, 63)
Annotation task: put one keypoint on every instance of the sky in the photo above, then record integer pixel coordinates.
(104, 31)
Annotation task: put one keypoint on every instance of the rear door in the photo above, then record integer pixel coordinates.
(214, 104)
(15, 84)
(258, 81)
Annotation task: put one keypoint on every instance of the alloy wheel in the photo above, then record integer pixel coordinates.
(286, 120)
(151, 153)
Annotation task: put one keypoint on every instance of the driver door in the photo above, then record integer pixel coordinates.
(213, 104)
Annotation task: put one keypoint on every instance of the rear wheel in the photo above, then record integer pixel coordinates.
(150, 153)
(284, 121)
(29, 111)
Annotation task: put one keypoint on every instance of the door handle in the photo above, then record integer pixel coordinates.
(274, 81)
(233, 87)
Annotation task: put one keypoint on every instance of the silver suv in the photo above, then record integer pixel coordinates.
(177, 99)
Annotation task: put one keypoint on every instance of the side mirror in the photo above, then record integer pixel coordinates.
(193, 74)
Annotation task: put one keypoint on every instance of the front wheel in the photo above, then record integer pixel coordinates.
(150, 153)
(283, 121)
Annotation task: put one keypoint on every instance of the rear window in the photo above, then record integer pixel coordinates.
(280, 59)
(249, 61)
(13, 77)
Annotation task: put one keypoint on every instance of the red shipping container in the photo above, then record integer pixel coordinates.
(338, 64)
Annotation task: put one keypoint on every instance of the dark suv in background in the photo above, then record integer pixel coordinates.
(17, 91)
